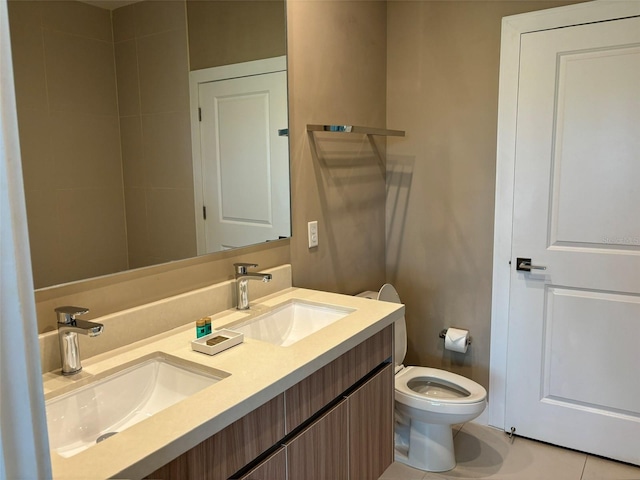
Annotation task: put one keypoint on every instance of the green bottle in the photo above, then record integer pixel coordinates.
(201, 328)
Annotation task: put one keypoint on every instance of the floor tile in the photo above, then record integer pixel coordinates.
(400, 471)
(488, 453)
(485, 452)
(602, 469)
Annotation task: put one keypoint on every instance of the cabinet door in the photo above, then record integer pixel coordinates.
(371, 426)
(273, 468)
(321, 451)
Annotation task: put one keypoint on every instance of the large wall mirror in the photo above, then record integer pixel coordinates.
(112, 156)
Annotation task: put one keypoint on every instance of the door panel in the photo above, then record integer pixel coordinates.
(572, 370)
(586, 340)
(245, 163)
(594, 90)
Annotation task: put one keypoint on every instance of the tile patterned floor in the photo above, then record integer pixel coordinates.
(487, 453)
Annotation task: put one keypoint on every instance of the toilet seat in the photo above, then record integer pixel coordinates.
(449, 404)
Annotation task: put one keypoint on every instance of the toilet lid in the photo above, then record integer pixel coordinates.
(389, 294)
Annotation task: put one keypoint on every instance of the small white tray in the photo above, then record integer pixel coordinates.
(229, 339)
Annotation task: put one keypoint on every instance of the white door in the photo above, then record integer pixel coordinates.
(573, 365)
(245, 162)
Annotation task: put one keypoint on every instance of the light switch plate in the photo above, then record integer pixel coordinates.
(312, 231)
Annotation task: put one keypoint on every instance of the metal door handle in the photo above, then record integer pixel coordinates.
(524, 265)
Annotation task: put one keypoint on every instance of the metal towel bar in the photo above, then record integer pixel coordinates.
(355, 129)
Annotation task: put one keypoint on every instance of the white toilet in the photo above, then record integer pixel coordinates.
(428, 402)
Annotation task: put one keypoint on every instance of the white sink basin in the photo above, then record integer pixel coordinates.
(113, 401)
(291, 322)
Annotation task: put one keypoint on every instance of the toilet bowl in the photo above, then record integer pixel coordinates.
(428, 402)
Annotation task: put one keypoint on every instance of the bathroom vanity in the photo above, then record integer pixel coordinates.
(321, 407)
(336, 423)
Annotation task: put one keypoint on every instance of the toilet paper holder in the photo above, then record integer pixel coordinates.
(443, 334)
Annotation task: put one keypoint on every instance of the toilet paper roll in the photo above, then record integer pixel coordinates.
(456, 340)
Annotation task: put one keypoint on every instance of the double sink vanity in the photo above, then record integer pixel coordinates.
(307, 394)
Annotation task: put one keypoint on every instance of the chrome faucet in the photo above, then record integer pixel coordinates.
(242, 279)
(68, 329)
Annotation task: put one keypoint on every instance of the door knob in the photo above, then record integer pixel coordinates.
(524, 265)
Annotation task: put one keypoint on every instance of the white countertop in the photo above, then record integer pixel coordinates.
(258, 371)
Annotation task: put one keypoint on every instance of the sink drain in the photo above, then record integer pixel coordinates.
(104, 436)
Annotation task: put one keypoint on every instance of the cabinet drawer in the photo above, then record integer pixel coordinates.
(319, 389)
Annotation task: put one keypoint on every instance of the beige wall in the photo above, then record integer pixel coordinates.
(103, 100)
(226, 32)
(441, 86)
(70, 145)
(337, 74)
(152, 68)
(443, 62)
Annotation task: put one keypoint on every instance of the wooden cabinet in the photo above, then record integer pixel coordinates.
(353, 440)
(320, 451)
(371, 426)
(339, 426)
(273, 468)
(322, 387)
(229, 450)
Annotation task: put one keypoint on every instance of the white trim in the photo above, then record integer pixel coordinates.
(512, 29)
(213, 74)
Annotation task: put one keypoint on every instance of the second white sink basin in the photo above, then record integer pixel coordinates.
(110, 403)
(291, 322)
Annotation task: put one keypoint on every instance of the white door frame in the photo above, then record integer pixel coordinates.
(196, 77)
(512, 29)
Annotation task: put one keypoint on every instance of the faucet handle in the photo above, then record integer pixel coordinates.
(67, 314)
(241, 268)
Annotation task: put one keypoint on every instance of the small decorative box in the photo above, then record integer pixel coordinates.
(217, 341)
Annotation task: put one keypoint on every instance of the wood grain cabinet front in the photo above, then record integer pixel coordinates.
(322, 387)
(320, 452)
(273, 467)
(352, 441)
(230, 449)
(371, 426)
(339, 426)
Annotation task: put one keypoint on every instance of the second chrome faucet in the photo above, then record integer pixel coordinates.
(243, 275)
(68, 329)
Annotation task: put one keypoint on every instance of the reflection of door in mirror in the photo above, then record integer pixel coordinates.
(243, 161)
(102, 94)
